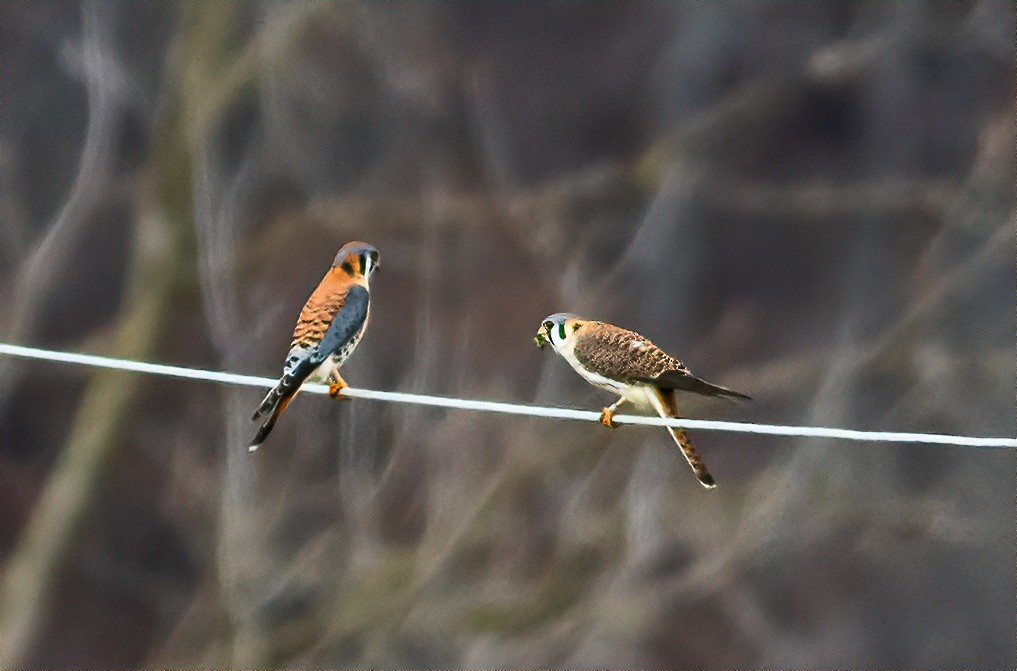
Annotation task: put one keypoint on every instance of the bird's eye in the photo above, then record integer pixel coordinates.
(547, 325)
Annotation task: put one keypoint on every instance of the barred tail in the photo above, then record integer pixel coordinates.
(691, 456)
(666, 406)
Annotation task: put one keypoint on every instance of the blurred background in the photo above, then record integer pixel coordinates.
(811, 203)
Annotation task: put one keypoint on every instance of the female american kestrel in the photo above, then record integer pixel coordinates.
(631, 366)
(330, 326)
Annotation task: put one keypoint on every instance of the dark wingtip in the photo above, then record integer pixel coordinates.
(707, 481)
(262, 434)
(683, 380)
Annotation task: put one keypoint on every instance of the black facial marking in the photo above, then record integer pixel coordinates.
(561, 331)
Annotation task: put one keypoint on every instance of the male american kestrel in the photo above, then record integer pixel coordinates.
(631, 366)
(330, 326)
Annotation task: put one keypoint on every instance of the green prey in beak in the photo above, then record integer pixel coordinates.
(542, 339)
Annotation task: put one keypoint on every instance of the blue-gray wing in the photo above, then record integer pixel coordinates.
(305, 357)
(348, 321)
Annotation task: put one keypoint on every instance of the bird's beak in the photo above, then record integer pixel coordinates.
(540, 340)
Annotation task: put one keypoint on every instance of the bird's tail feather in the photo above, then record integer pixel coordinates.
(666, 407)
(691, 456)
(270, 401)
(273, 404)
(269, 424)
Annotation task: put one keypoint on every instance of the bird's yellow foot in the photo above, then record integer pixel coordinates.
(335, 390)
(607, 418)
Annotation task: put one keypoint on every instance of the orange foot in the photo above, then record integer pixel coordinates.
(335, 390)
(607, 418)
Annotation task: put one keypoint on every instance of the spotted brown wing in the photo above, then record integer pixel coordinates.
(620, 354)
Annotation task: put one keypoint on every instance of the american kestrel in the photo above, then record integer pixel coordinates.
(631, 366)
(330, 326)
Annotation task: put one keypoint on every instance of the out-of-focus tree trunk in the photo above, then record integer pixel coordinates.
(51, 533)
(161, 249)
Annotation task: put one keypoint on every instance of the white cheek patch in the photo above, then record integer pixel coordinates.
(556, 338)
(638, 345)
(567, 349)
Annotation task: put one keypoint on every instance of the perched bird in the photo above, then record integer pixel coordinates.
(631, 366)
(330, 326)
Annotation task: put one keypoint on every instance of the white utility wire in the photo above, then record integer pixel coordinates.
(506, 408)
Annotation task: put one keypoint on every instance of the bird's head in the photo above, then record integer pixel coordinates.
(357, 258)
(557, 330)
